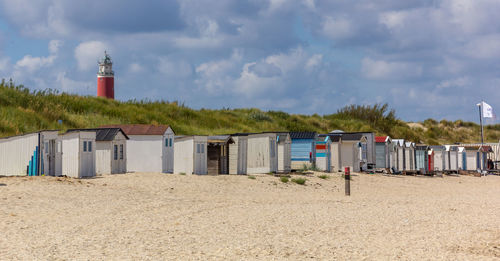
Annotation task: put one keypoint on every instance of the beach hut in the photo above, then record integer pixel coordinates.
(284, 144)
(262, 153)
(31, 154)
(409, 155)
(110, 149)
(202, 155)
(461, 158)
(335, 151)
(400, 145)
(78, 154)
(422, 158)
(439, 158)
(303, 145)
(323, 153)
(451, 158)
(430, 160)
(150, 148)
(238, 154)
(353, 151)
(383, 152)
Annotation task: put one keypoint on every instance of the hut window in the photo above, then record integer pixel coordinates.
(84, 146)
(121, 151)
(59, 146)
(90, 146)
(197, 148)
(46, 147)
(202, 148)
(271, 148)
(166, 142)
(170, 142)
(115, 152)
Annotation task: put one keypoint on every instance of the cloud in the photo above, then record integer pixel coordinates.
(380, 69)
(32, 64)
(87, 54)
(459, 82)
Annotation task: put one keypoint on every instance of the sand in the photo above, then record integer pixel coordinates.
(150, 216)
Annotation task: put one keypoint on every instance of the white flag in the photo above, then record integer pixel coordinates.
(487, 110)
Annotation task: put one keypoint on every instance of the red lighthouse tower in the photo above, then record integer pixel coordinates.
(106, 78)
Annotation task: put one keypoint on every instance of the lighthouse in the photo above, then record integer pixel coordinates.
(106, 78)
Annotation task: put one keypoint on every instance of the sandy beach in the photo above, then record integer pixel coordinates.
(150, 216)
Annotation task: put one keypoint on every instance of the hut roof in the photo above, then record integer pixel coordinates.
(103, 134)
(140, 129)
(303, 135)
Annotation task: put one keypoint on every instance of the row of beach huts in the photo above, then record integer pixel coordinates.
(114, 149)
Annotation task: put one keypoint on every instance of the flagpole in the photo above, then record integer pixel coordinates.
(482, 137)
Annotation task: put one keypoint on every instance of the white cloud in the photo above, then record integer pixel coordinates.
(337, 28)
(174, 69)
(32, 64)
(54, 46)
(71, 86)
(459, 82)
(380, 69)
(135, 68)
(88, 53)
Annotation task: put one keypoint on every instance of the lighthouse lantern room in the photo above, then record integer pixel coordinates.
(106, 78)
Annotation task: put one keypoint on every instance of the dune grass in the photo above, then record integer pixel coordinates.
(22, 111)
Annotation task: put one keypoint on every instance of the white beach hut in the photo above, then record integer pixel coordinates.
(284, 143)
(78, 154)
(262, 156)
(30, 154)
(110, 149)
(400, 145)
(150, 148)
(409, 155)
(238, 154)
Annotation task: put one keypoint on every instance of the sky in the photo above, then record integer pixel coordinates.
(425, 58)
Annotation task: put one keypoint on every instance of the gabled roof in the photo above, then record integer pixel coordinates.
(103, 134)
(381, 139)
(303, 135)
(400, 142)
(352, 136)
(334, 137)
(140, 129)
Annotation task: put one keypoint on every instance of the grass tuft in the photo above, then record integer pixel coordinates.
(251, 177)
(323, 176)
(300, 181)
(284, 179)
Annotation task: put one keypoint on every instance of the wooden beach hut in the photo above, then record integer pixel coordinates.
(110, 150)
(353, 151)
(302, 149)
(409, 156)
(262, 156)
(150, 148)
(399, 145)
(31, 154)
(422, 158)
(451, 158)
(461, 158)
(78, 154)
(284, 144)
(238, 154)
(335, 151)
(439, 157)
(383, 152)
(190, 155)
(323, 153)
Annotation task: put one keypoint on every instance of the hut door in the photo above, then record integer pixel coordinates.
(52, 158)
(242, 156)
(87, 159)
(168, 154)
(200, 164)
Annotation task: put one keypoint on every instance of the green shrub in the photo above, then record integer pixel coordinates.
(323, 176)
(300, 181)
(284, 179)
(182, 173)
(251, 177)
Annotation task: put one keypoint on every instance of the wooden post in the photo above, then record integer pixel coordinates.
(347, 176)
